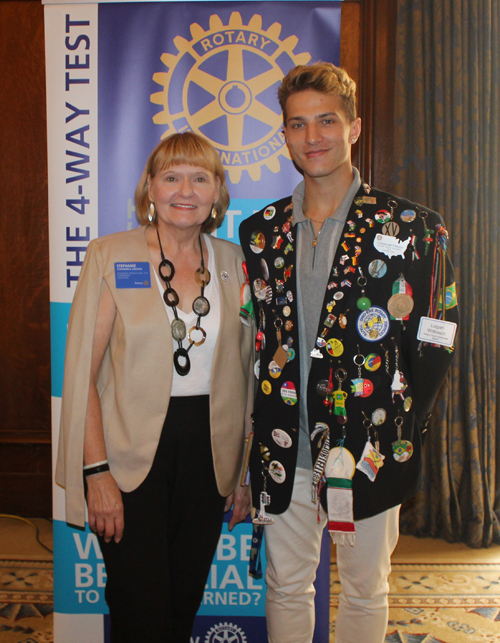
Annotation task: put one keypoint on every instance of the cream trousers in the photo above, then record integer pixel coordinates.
(293, 547)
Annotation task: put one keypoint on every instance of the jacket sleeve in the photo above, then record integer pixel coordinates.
(82, 319)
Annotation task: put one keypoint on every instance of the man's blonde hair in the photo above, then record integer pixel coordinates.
(324, 78)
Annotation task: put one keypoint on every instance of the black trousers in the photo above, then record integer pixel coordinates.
(157, 573)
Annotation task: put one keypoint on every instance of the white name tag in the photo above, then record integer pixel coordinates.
(436, 331)
(390, 246)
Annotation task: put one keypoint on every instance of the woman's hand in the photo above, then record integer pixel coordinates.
(104, 502)
(241, 499)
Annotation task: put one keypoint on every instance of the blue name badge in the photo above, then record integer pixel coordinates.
(133, 274)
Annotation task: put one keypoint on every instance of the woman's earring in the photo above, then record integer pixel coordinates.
(151, 215)
(214, 212)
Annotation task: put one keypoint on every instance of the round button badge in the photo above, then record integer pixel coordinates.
(269, 212)
(257, 242)
(282, 438)
(279, 262)
(373, 324)
(334, 347)
(379, 416)
(277, 472)
(373, 362)
(266, 387)
(408, 216)
(377, 268)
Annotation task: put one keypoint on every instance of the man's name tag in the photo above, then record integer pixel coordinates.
(391, 246)
(133, 274)
(436, 331)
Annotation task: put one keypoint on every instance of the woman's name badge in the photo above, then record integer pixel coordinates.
(132, 274)
(436, 331)
(390, 246)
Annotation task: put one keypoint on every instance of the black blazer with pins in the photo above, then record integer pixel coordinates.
(269, 242)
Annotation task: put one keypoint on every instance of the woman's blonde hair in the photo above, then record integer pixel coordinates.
(186, 148)
(324, 78)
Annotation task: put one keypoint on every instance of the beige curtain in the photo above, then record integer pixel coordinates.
(447, 134)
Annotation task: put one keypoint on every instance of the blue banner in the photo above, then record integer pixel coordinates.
(121, 76)
(165, 68)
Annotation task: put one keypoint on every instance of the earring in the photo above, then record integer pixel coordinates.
(353, 140)
(151, 215)
(214, 212)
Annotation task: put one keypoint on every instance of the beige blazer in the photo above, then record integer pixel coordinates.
(136, 375)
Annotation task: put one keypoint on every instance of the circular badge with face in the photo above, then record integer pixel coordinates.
(289, 393)
(279, 262)
(383, 216)
(377, 268)
(257, 242)
(282, 438)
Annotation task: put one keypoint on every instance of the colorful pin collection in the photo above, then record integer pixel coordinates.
(373, 323)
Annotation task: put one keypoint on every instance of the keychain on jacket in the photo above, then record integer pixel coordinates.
(402, 450)
(371, 459)
(265, 499)
(399, 384)
(361, 387)
(339, 397)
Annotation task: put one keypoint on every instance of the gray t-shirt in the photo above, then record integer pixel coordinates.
(313, 269)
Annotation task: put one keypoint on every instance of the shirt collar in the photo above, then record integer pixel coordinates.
(340, 213)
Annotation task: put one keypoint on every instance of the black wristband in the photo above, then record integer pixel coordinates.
(100, 468)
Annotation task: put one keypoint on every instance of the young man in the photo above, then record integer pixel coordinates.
(354, 343)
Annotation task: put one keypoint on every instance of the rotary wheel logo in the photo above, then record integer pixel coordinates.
(225, 633)
(223, 85)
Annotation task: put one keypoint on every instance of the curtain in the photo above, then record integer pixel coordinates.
(447, 146)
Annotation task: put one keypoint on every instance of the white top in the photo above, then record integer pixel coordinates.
(197, 381)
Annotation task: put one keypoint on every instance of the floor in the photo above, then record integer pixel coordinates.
(18, 540)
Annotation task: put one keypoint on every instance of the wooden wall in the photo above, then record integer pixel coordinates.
(367, 52)
(25, 458)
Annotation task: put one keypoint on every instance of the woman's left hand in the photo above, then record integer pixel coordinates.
(241, 500)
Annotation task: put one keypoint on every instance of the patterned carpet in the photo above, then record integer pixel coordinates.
(26, 601)
(439, 603)
(429, 603)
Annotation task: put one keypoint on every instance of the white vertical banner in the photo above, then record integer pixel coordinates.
(71, 67)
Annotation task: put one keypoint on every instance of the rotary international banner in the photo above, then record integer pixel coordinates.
(120, 76)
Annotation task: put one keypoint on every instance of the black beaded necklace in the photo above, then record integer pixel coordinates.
(201, 306)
